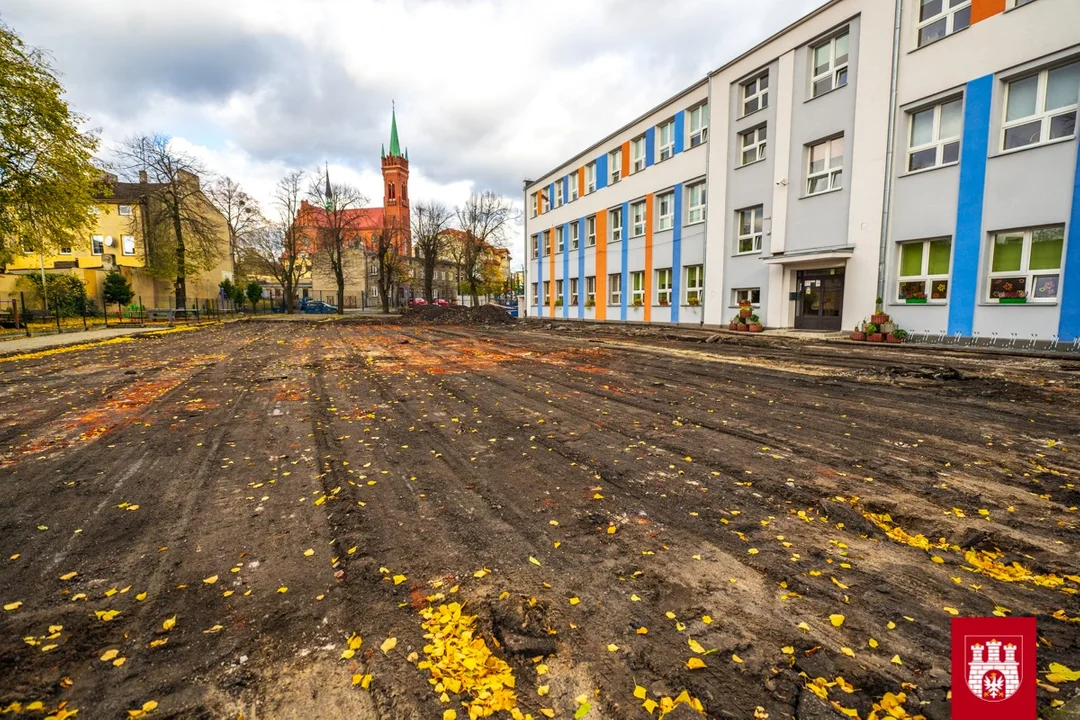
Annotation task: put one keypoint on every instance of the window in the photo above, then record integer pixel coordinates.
(699, 125)
(27, 251)
(590, 230)
(1027, 264)
(558, 193)
(755, 94)
(590, 290)
(535, 247)
(614, 162)
(830, 60)
(373, 291)
(1040, 108)
(665, 211)
(1019, 3)
(575, 235)
(938, 18)
(826, 166)
(935, 136)
(97, 244)
(750, 230)
(924, 269)
(373, 270)
(637, 287)
(63, 251)
(753, 145)
(535, 296)
(695, 283)
(127, 242)
(665, 140)
(637, 214)
(663, 286)
(547, 291)
(637, 155)
(573, 183)
(561, 239)
(124, 209)
(695, 203)
(545, 202)
(573, 291)
(615, 220)
(558, 290)
(750, 295)
(614, 283)
(590, 178)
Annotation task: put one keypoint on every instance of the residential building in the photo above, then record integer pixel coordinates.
(912, 151)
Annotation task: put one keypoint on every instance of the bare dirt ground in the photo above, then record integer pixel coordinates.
(758, 528)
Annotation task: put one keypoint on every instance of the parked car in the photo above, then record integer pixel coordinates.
(440, 302)
(417, 302)
(318, 307)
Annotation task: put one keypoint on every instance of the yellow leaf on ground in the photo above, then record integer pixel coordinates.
(872, 643)
(542, 690)
(612, 647)
(68, 576)
(837, 620)
(309, 552)
(211, 580)
(650, 705)
(642, 630)
(449, 715)
(534, 561)
(150, 706)
(611, 529)
(481, 573)
(398, 579)
(848, 651)
(695, 663)
(13, 605)
(696, 646)
(736, 658)
(283, 589)
(804, 627)
(706, 619)
(108, 655)
(388, 644)
(119, 661)
(547, 712)
(951, 610)
(896, 660)
(169, 623)
(788, 650)
(141, 596)
(640, 692)
(574, 600)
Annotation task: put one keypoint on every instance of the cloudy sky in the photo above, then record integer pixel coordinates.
(488, 92)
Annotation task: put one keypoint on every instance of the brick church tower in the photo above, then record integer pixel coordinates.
(395, 170)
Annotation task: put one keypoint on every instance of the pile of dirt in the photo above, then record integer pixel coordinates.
(457, 315)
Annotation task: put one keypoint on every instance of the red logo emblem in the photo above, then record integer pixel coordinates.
(993, 668)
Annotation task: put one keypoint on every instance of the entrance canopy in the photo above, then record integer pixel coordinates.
(813, 255)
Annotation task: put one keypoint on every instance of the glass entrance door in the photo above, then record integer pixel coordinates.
(820, 298)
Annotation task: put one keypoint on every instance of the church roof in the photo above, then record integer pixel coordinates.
(395, 146)
(356, 218)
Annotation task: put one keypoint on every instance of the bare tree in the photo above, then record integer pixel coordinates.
(430, 221)
(343, 219)
(182, 237)
(484, 221)
(392, 264)
(279, 248)
(241, 212)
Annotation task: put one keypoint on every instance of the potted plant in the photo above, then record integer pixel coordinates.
(663, 303)
(754, 324)
(879, 315)
(734, 324)
(638, 302)
(897, 336)
(918, 298)
(859, 333)
(590, 302)
(745, 309)
(693, 301)
(1017, 297)
(873, 333)
(558, 302)
(887, 327)
(742, 324)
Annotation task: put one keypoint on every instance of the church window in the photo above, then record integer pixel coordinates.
(391, 192)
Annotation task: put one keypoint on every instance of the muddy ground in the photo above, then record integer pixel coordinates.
(273, 488)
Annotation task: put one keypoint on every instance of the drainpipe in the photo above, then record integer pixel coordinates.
(889, 151)
(705, 242)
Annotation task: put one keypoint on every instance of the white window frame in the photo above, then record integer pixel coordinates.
(937, 143)
(124, 210)
(97, 244)
(614, 288)
(535, 251)
(590, 231)
(696, 289)
(695, 209)
(1025, 263)
(545, 203)
(560, 239)
(535, 294)
(637, 287)
(1013, 4)
(573, 291)
(754, 140)
(637, 215)
(124, 245)
(590, 288)
(665, 141)
(535, 204)
(665, 219)
(1043, 116)
(590, 178)
(699, 124)
(64, 251)
(741, 295)
(573, 180)
(752, 90)
(947, 13)
(616, 227)
(835, 69)
(756, 229)
(547, 291)
(663, 286)
(637, 154)
(835, 174)
(559, 287)
(575, 236)
(924, 275)
(558, 193)
(614, 166)
(373, 291)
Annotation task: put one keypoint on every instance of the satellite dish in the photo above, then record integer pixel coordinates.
(108, 240)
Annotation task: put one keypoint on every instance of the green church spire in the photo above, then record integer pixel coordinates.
(395, 146)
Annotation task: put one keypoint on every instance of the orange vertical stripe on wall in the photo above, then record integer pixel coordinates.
(551, 256)
(581, 181)
(648, 257)
(601, 265)
(983, 9)
(626, 158)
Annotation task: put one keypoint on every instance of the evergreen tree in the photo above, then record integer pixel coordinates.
(117, 288)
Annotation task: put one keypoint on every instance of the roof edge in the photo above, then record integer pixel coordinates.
(775, 36)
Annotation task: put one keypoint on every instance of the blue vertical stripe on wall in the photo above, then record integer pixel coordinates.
(1069, 320)
(566, 188)
(581, 268)
(625, 257)
(551, 196)
(676, 255)
(650, 147)
(540, 299)
(680, 130)
(601, 172)
(566, 270)
(967, 243)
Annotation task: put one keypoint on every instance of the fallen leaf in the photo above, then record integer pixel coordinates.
(170, 623)
(695, 663)
(534, 561)
(108, 655)
(211, 580)
(69, 575)
(388, 644)
(13, 605)
(836, 620)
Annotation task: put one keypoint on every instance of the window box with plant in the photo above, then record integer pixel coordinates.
(1026, 265)
(590, 303)
(754, 323)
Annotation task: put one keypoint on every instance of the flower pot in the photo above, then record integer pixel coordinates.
(1012, 300)
(915, 301)
(876, 337)
(733, 326)
(892, 338)
(745, 312)
(860, 336)
(879, 318)
(756, 328)
(742, 327)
